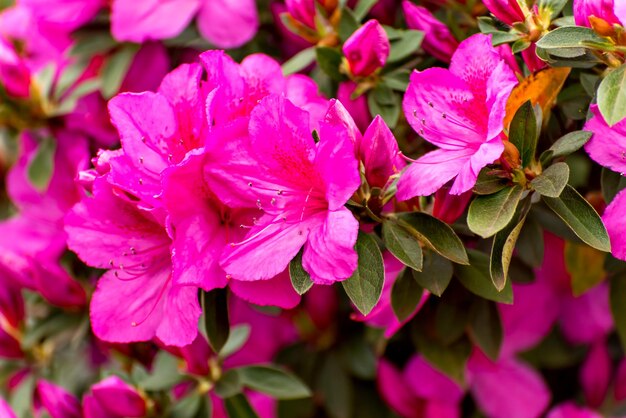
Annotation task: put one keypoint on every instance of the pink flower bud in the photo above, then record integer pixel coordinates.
(438, 40)
(57, 401)
(508, 11)
(367, 49)
(14, 75)
(118, 398)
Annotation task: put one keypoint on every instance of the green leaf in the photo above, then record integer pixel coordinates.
(530, 245)
(44, 79)
(299, 61)
(568, 37)
(617, 297)
(408, 43)
(335, 387)
(565, 145)
(216, 324)
(385, 102)
(196, 405)
(553, 7)
(488, 184)
(164, 373)
(329, 60)
(365, 285)
(230, 384)
(237, 337)
(612, 184)
(477, 279)
(581, 217)
(238, 407)
(490, 214)
(300, 279)
(397, 80)
(552, 181)
(362, 8)
(402, 244)
(273, 381)
(348, 24)
(436, 273)
(524, 131)
(358, 357)
(612, 96)
(520, 45)
(502, 250)
(585, 266)
(116, 68)
(405, 295)
(41, 167)
(435, 234)
(486, 327)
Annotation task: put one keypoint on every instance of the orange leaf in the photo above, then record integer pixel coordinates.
(540, 88)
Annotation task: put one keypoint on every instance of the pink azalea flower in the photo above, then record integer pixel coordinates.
(382, 315)
(111, 398)
(300, 190)
(620, 381)
(304, 10)
(367, 49)
(358, 108)
(508, 11)
(449, 207)
(57, 401)
(595, 374)
(419, 391)
(377, 148)
(14, 74)
(136, 299)
(5, 410)
(155, 19)
(461, 111)
(507, 388)
(570, 410)
(608, 148)
(63, 14)
(608, 10)
(438, 40)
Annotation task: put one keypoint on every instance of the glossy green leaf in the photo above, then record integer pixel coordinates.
(329, 60)
(299, 61)
(581, 217)
(477, 279)
(230, 384)
(436, 273)
(195, 405)
(402, 244)
(612, 96)
(490, 214)
(300, 279)
(41, 167)
(552, 181)
(486, 327)
(551, 7)
(502, 251)
(565, 145)
(365, 285)
(216, 323)
(362, 8)
(435, 234)
(385, 102)
(273, 381)
(406, 294)
(237, 337)
(524, 132)
(238, 406)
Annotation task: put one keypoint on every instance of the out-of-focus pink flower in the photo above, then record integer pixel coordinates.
(608, 148)
(112, 398)
(460, 110)
(382, 315)
(438, 40)
(449, 207)
(620, 381)
(304, 12)
(419, 391)
(57, 401)
(358, 108)
(533, 62)
(595, 374)
(14, 74)
(290, 43)
(571, 410)
(301, 188)
(367, 49)
(508, 11)
(608, 10)
(63, 14)
(506, 388)
(5, 410)
(154, 19)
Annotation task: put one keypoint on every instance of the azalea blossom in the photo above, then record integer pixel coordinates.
(460, 110)
(438, 40)
(367, 49)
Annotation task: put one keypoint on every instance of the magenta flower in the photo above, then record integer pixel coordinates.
(136, 299)
(608, 148)
(508, 11)
(300, 190)
(608, 10)
(461, 111)
(438, 40)
(595, 374)
(14, 74)
(570, 410)
(303, 10)
(5, 410)
(153, 19)
(112, 398)
(57, 401)
(419, 390)
(367, 49)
